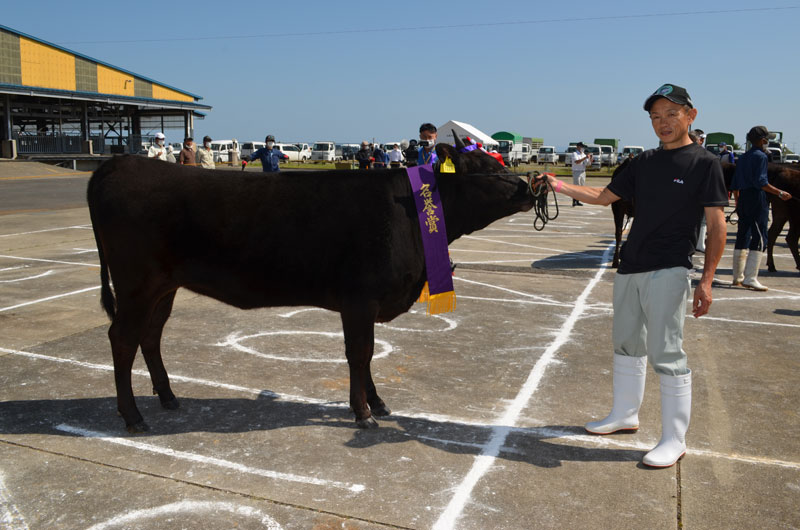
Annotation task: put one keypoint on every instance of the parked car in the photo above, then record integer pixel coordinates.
(304, 150)
(608, 156)
(349, 151)
(547, 155)
(597, 155)
(248, 148)
(290, 150)
(792, 159)
(568, 155)
(325, 151)
(220, 149)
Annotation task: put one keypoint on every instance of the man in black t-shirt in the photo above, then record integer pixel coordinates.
(672, 186)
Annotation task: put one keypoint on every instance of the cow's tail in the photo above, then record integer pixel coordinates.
(106, 294)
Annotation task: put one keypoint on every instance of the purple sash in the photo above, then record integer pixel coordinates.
(438, 290)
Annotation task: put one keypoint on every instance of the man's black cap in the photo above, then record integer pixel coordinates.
(580, 144)
(269, 138)
(674, 93)
(757, 133)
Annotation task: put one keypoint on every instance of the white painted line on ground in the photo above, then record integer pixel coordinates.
(435, 418)
(505, 289)
(54, 297)
(14, 268)
(78, 227)
(50, 261)
(208, 460)
(160, 515)
(752, 322)
(503, 424)
(10, 518)
(42, 275)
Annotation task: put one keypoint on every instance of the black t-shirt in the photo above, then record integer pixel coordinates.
(670, 188)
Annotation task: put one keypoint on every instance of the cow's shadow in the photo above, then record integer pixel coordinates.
(591, 258)
(85, 417)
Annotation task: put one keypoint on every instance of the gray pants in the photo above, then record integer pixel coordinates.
(579, 179)
(649, 311)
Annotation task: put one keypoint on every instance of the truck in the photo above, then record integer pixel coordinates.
(510, 145)
(608, 150)
(776, 147)
(631, 151)
(547, 155)
(323, 151)
(715, 138)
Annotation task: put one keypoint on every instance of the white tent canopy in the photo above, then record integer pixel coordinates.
(445, 134)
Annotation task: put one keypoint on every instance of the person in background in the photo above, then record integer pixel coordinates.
(157, 150)
(379, 158)
(411, 153)
(652, 283)
(427, 151)
(205, 156)
(579, 162)
(364, 156)
(699, 137)
(750, 187)
(270, 156)
(395, 156)
(187, 156)
(725, 154)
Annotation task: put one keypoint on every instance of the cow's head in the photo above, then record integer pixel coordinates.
(480, 191)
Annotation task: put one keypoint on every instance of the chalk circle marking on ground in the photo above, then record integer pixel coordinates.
(234, 340)
(451, 324)
(187, 507)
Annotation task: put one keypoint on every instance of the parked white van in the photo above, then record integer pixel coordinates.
(248, 148)
(325, 151)
(220, 149)
(547, 155)
(290, 150)
(305, 151)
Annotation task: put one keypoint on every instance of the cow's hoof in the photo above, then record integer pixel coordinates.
(383, 410)
(367, 423)
(137, 428)
(171, 404)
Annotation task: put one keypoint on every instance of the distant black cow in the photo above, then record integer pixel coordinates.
(346, 241)
(624, 208)
(786, 178)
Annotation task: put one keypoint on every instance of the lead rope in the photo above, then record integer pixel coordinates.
(539, 187)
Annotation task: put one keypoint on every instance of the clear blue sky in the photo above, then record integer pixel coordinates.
(348, 71)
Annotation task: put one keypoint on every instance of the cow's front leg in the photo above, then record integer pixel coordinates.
(358, 321)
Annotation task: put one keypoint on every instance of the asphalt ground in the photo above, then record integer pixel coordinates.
(488, 401)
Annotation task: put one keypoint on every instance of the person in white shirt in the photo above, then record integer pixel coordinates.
(579, 163)
(395, 156)
(157, 150)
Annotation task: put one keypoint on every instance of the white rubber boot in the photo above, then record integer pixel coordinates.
(751, 271)
(676, 410)
(629, 377)
(739, 257)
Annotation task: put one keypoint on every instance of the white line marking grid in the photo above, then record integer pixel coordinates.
(498, 431)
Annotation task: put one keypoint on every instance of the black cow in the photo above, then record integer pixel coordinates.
(345, 240)
(786, 178)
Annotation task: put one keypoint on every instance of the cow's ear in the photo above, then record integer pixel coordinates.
(446, 150)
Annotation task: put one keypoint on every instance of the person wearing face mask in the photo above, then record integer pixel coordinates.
(205, 156)
(186, 157)
(157, 150)
(579, 162)
(427, 151)
(364, 156)
(270, 156)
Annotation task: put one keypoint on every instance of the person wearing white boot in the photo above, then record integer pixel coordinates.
(750, 186)
(673, 186)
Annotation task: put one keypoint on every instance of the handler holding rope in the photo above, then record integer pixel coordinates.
(672, 187)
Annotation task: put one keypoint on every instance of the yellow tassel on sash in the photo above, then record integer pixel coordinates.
(441, 303)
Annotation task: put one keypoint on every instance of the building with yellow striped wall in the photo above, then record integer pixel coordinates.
(55, 100)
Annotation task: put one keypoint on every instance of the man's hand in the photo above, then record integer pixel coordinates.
(702, 300)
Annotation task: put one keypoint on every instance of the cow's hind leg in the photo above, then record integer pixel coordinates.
(125, 334)
(358, 321)
(792, 239)
(778, 220)
(151, 351)
(376, 405)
